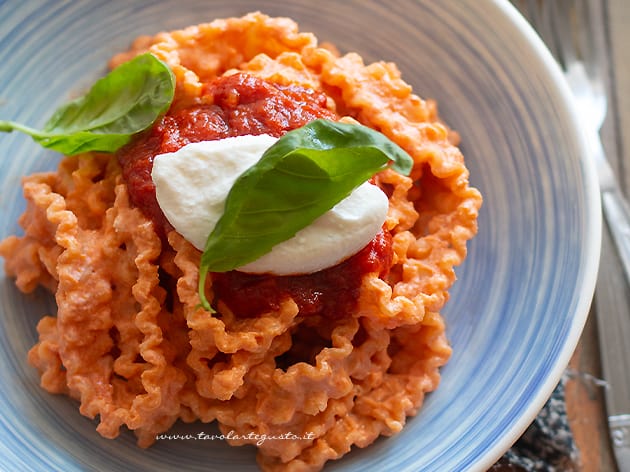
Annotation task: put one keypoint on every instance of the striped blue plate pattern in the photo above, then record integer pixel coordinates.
(523, 294)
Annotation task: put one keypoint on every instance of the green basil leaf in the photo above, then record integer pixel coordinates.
(126, 101)
(302, 176)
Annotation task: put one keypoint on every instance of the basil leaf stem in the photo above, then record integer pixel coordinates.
(302, 176)
(126, 101)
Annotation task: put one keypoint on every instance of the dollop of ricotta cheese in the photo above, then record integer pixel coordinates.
(193, 183)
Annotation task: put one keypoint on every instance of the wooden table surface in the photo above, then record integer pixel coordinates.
(585, 390)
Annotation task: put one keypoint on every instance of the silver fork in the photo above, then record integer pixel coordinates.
(573, 32)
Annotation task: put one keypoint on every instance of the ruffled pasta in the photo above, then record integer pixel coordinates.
(130, 340)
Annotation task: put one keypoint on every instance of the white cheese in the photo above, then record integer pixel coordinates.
(333, 237)
(192, 185)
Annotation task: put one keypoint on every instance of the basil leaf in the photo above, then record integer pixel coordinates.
(124, 102)
(302, 176)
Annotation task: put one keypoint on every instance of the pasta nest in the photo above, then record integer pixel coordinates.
(129, 340)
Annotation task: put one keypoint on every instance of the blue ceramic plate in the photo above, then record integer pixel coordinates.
(523, 294)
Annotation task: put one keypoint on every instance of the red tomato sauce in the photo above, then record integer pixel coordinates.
(232, 105)
(331, 292)
(237, 105)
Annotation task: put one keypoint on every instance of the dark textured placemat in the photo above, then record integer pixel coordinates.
(547, 444)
